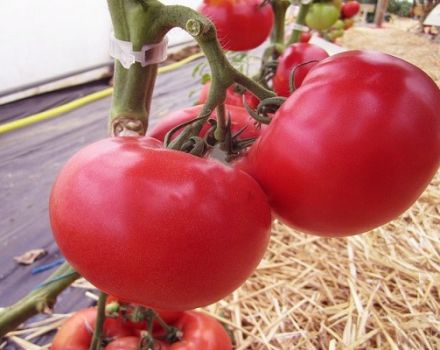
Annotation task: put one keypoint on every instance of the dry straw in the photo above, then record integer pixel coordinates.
(379, 290)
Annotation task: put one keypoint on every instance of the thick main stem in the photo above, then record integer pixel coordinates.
(133, 21)
(279, 8)
(41, 299)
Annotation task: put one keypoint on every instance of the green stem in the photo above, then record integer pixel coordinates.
(301, 20)
(41, 299)
(279, 8)
(100, 318)
(133, 21)
(220, 130)
(223, 74)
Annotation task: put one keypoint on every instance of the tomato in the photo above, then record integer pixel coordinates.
(321, 16)
(201, 331)
(158, 227)
(293, 56)
(233, 98)
(350, 9)
(132, 343)
(239, 119)
(76, 332)
(305, 37)
(166, 316)
(241, 24)
(126, 343)
(339, 24)
(353, 148)
(348, 23)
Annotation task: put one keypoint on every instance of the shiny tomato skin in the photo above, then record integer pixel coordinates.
(353, 148)
(241, 24)
(350, 9)
(132, 343)
(158, 227)
(77, 331)
(239, 119)
(294, 55)
(201, 331)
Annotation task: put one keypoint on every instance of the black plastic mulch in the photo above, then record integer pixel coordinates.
(29, 161)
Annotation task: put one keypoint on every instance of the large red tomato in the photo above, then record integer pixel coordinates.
(158, 227)
(239, 119)
(295, 55)
(241, 24)
(233, 98)
(76, 332)
(353, 148)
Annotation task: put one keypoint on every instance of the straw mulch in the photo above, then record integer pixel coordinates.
(379, 290)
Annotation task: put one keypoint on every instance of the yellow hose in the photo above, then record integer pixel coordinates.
(53, 112)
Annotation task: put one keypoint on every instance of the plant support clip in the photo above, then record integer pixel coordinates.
(149, 53)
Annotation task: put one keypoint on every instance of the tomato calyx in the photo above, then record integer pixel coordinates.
(146, 319)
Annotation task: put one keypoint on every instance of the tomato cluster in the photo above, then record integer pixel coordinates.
(351, 148)
(196, 331)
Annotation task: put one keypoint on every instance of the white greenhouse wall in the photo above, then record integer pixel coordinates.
(41, 40)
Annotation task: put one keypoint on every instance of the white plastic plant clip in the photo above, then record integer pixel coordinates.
(300, 27)
(149, 54)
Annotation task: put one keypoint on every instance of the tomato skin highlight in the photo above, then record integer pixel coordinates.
(353, 148)
(132, 343)
(235, 21)
(239, 119)
(77, 331)
(294, 55)
(158, 227)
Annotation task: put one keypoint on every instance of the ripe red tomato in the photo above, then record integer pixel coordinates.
(305, 37)
(239, 119)
(201, 331)
(233, 98)
(241, 24)
(353, 148)
(293, 56)
(350, 9)
(77, 331)
(158, 227)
